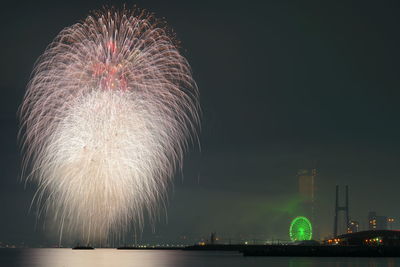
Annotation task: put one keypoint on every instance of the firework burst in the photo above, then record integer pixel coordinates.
(106, 119)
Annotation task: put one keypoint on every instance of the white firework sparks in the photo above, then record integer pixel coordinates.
(106, 120)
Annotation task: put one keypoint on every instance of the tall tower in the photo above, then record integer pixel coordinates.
(307, 189)
(338, 208)
(307, 184)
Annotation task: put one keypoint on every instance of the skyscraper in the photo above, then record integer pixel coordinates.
(307, 192)
(338, 208)
(307, 179)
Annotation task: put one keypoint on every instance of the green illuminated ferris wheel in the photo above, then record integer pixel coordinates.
(300, 229)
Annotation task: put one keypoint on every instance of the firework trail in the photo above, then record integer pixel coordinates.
(106, 119)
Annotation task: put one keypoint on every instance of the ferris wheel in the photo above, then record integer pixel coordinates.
(300, 229)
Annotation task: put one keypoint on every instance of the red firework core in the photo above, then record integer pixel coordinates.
(112, 47)
(110, 74)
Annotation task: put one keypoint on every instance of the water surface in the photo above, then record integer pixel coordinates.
(171, 258)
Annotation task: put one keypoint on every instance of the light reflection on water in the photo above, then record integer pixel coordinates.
(171, 258)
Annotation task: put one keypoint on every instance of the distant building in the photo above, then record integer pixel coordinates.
(353, 227)
(390, 223)
(307, 192)
(307, 179)
(376, 222)
(213, 238)
(337, 226)
(367, 238)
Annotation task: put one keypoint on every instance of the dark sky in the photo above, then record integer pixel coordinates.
(282, 84)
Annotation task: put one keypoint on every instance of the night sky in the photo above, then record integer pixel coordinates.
(284, 86)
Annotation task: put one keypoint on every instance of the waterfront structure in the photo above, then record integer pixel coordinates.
(376, 222)
(353, 227)
(367, 238)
